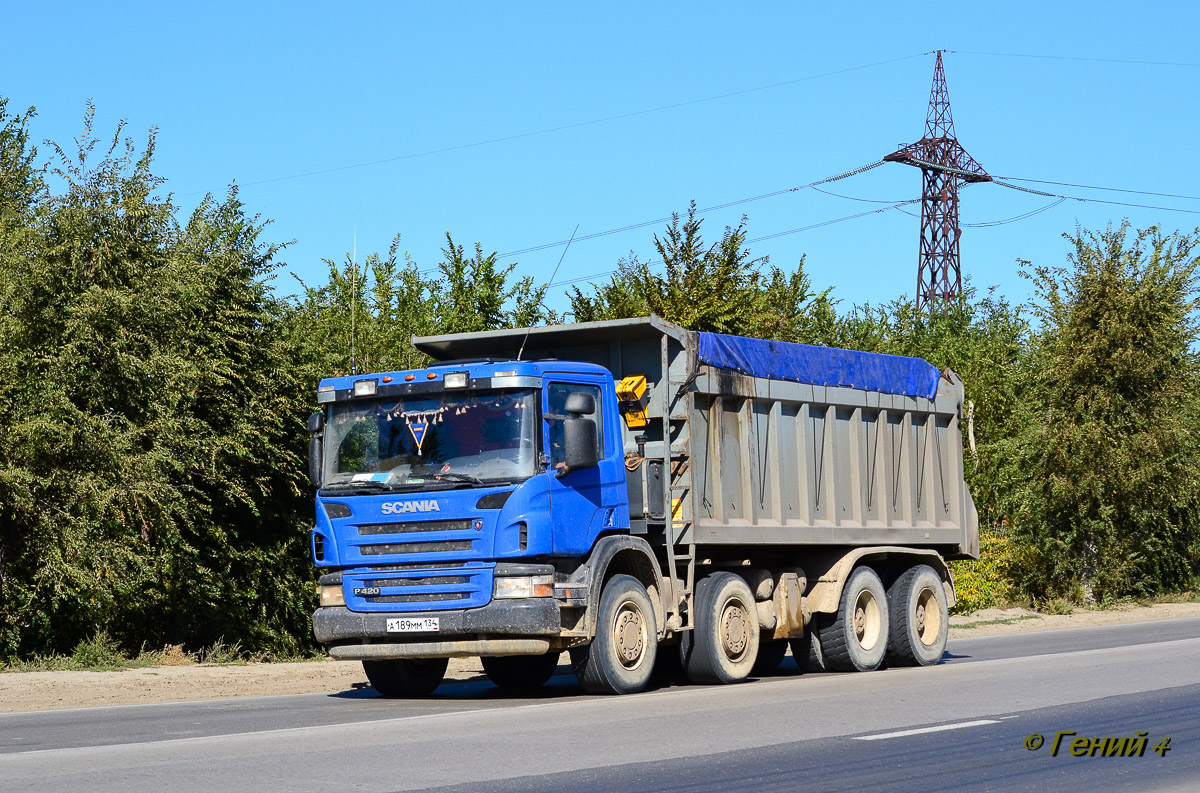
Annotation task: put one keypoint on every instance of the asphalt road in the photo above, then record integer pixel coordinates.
(961, 724)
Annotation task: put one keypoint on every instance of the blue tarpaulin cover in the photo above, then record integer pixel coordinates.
(805, 363)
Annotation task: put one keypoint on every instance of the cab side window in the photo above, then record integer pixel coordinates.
(556, 411)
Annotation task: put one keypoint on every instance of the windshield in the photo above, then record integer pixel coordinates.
(447, 439)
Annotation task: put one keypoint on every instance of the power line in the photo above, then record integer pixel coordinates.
(713, 208)
(1015, 218)
(1096, 187)
(575, 125)
(1097, 200)
(999, 181)
(764, 237)
(854, 198)
(1072, 58)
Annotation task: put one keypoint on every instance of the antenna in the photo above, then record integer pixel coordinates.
(353, 298)
(521, 351)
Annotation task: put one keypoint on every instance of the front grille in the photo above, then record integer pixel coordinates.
(430, 586)
(433, 581)
(416, 566)
(415, 547)
(406, 528)
(428, 597)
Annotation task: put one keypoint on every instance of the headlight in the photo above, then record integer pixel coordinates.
(455, 380)
(365, 388)
(536, 586)
(331, 595)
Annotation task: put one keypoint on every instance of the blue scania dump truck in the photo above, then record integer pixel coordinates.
(636, 493)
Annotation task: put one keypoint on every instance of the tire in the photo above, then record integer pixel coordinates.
(807, 649)
(723, 645)
(524, 672)
(620, 659)
(920, 618)
(855, 638)
(770, 656)
(406, 677)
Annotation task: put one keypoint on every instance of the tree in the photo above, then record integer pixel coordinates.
(718, 288)
(384, 302)
(149, 463)
(364, 316)
(1107, 457)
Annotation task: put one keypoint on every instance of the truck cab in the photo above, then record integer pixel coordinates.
(445, 491)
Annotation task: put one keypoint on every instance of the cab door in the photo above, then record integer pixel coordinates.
(586, 502)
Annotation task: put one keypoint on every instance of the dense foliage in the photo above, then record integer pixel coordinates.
(149, 459)
(154, 386)
(1106, 459)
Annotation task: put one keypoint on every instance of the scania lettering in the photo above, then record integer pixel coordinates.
(628, 491)
(399, 507)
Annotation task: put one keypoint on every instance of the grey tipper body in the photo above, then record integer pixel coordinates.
(768, 461)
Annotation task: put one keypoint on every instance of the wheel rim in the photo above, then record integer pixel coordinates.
(928, 617)
(630, 635)
(867, 620)
(735, 630)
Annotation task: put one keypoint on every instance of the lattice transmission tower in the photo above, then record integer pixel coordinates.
(944, 165)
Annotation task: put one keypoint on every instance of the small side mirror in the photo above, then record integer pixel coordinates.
(580, 403)
(580, 447)
(316, 446)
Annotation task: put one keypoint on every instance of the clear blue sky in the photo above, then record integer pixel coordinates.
(255, 92)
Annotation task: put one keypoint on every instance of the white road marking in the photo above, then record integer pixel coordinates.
(940, 728)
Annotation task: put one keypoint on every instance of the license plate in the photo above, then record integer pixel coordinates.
(411, 624)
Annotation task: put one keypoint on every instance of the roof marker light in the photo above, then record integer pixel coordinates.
(408, 378)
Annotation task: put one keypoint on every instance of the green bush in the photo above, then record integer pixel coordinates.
(985, 582)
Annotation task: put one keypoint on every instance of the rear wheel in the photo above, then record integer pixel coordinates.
(406, 677)
(855, 638)
(920, 618)
(621, 657)
(521, 671)
(723, 645)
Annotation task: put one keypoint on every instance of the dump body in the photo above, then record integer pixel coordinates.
(759, 460)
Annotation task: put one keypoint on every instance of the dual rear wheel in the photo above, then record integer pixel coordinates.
(906, 625)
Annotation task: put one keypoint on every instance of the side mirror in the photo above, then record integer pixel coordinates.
(316, 446)
(580, 447)
(580, 403)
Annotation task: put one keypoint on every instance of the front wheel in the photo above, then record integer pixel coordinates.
(520, 671)
(406, 677)
(620, 659)
(920, 618)
(856, 637)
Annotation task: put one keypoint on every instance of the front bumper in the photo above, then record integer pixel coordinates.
(502, 627)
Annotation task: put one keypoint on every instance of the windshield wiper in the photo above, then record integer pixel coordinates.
(455, 476)
(361, 487)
